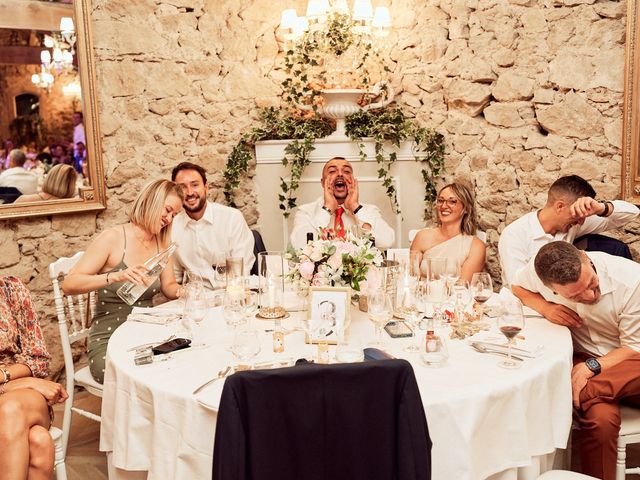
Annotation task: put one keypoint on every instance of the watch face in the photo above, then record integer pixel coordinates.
(593, 365)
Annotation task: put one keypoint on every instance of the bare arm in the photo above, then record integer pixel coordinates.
(553, 312)
(86, 275)
(475, 260)
(170, 288)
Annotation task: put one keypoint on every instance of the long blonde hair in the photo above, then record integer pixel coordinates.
(469, 221)
(61, 181)
(148, 207)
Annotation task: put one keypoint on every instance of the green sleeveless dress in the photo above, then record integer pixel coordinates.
(111, 312)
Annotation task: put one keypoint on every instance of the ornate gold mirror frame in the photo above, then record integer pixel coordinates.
(631, 119)
(90, 198)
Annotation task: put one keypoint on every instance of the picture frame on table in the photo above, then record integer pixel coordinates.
(328, 313)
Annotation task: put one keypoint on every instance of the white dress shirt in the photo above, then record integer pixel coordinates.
(221, 229)
(311, 217)
(520, 240)
(78, 135)
(22, 179)
(611, 323)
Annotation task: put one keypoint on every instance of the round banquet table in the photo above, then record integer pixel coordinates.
(485, 422)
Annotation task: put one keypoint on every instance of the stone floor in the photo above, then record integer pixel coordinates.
(84, 461)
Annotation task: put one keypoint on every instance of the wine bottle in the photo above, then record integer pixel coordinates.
(130, 292)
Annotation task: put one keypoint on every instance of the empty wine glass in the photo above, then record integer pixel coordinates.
(195, 306)
(510, 323)
(416, 318)
(452, 273)
(219, 266)
(380, 312)
(246, 345)
(234, 304)
(437, 290)
(250, 306)
(481, 289)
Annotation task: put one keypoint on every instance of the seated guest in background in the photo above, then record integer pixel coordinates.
(4, 161)
(455, 236)
(205, 228)
(79, 157)
(26, 398)
(604, 290)
(570, 212)
(59, 183)
(117, 255)
(17, 176)
(339, 209)
(78, 128)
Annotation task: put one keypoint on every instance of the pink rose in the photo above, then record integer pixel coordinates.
(306, 270)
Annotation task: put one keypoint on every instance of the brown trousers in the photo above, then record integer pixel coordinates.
(599, 414)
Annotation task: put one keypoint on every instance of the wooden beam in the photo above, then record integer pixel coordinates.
(33, 15)
(20, 55)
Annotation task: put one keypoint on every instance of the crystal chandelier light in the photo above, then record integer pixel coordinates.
(60, 58)
(366, 20)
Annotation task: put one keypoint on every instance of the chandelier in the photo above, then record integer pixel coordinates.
(60, 58)
(366, 20)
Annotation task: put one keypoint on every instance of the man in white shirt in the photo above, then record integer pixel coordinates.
(570, 212)
(78, 128)
(339, 209)
(16, 176)
(604, 290)
(205, 228)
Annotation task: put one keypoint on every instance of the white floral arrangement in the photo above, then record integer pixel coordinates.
(351, 261)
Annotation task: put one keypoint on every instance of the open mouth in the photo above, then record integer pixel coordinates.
(340, 183)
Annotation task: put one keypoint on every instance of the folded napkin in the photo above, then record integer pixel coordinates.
(496, 342)
(160, 315)
(209, 397)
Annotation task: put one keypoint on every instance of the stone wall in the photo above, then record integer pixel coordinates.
(525, 91)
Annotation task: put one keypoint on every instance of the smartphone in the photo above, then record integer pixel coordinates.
(398, 330)
(171, 346)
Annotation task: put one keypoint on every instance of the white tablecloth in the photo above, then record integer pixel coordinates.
(484, 421)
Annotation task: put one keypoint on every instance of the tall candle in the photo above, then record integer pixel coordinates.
(271, 292)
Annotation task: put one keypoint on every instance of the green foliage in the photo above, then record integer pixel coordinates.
(276, 125)
(391, 126)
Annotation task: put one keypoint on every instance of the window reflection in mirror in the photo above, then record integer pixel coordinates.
(43, 154)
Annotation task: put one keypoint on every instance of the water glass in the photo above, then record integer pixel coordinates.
(234, 270)
(219, 266)
(195, 305)
(234, 304)
(246, 345)
(380, 312)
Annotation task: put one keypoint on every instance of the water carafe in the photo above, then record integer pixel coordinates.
(130, 292)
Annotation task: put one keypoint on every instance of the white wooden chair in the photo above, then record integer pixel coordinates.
(74, 326)
(629, 433)
(564, 475)
(58, 464)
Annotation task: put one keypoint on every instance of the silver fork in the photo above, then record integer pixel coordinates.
(221, 374)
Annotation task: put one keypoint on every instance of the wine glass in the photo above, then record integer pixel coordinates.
(510, 323)
(195, 306)
(234, 310)
(380, 312)
(219, 265)
(481, 289)
(415, 318)
(437, 285)
(250, 306)
(452, 273)
(246, 345)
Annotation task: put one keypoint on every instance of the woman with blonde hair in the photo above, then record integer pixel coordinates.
(59, 183)
(455, 236)
(117, 255)
(26, 396)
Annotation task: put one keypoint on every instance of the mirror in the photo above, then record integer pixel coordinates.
(631, 118)
(39, 93)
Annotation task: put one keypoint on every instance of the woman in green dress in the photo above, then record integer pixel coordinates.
(117, 255)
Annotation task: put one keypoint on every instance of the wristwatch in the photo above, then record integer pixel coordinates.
(608, 207)
(594, 365)
(357, 209)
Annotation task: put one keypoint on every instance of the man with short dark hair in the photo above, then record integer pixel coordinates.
(570, 212)
(17, 176)
(339, 209)
(204, 228)
(604, 290)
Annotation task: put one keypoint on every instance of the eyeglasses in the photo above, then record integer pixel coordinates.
(451, 203)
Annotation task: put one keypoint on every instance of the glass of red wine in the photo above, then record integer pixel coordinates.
(510, 323)
(481, 289)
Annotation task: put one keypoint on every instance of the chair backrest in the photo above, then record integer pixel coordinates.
(301, 422)
(258, 246)
(412, 234)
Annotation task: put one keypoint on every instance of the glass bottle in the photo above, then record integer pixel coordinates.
(130, 292)
(431, 339)
(278, 338)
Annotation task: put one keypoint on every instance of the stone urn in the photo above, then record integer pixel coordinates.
(339, 103)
